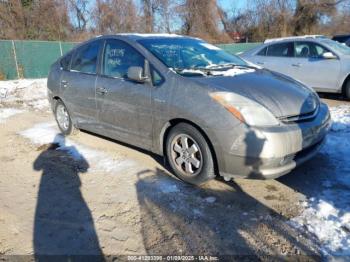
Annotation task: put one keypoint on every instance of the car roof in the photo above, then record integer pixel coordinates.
(345, 35)
(292, 38)
(136, 36)
(284, 40)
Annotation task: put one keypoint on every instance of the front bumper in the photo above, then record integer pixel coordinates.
(270, 152)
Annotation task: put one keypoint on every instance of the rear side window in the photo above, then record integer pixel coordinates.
(65, 61)
(85, 58)
(281, 50)
(118, 57)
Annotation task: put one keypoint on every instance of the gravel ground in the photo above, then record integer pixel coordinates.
(55, 198)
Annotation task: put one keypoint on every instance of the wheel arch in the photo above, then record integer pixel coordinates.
(347, 79)
(173, 122)
(54, 100)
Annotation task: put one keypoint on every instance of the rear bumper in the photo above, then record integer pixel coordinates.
(268, 153)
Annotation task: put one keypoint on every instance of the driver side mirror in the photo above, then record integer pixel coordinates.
(328, 55)
(135, 73)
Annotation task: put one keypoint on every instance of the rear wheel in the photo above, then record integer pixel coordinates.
(64, 120)
(347, 89)
(189, 154)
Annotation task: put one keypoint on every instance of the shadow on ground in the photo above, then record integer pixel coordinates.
(63, 222)
(219, 219)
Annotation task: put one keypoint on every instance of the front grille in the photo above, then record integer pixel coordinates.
(300, 118)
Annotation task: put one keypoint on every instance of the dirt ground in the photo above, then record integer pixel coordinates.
(51, 203)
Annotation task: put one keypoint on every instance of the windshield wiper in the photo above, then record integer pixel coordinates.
(220, 66)
(191, 71)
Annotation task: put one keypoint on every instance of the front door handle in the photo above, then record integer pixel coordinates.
(296, 65)
(260, 63)
(101, 90)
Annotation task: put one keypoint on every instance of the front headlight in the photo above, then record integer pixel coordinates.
(245, 110)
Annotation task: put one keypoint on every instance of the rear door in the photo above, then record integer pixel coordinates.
(312, 69)
(124, 106)
(78, 84)
(276, 57)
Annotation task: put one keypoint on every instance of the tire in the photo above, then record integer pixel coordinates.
(347, 90)
(191, 161)
(64, 120)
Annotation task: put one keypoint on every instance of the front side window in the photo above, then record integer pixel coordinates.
(188, 53)
(118, 57)
(309, 50)
(281, 50)
(85, 58)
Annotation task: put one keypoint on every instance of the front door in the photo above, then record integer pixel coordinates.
(124, 106)
(312, 69)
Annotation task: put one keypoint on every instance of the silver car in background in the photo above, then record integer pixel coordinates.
(316, 61)
(206, 111)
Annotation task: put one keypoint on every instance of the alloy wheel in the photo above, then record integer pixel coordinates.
(62, 117)
(186, 155)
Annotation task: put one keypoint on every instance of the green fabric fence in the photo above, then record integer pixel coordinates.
(238, 48)
(32, 59)
(29, 59)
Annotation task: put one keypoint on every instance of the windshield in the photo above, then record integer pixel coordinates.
(186, 53)
(336, 46)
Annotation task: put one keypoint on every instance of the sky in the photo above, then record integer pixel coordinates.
(228, 4)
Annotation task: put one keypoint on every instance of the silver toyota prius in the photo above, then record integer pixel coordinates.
(207, 112)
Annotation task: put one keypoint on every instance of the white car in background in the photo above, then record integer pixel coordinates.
(316, 61)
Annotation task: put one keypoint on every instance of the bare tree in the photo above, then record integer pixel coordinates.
(24, 20)
(115, 16)
(308, 14)
(80, 12)
(202, 19)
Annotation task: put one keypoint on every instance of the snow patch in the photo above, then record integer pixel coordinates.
(8, 112)
(327, 215)
(25, 93)
(341, 118)
(234, 71)
(46, 133)
(210, 199)
(150, 35)
(210, 46)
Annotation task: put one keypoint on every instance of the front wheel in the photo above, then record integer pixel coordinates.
(64, 120)
(189, 154)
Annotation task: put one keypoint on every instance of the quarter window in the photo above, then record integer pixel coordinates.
(118, 57)
(282, 49)
(157, 79)
(65, 61)
(262, 52)
(85, 58)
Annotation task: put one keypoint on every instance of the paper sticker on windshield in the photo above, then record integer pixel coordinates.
(209, 46)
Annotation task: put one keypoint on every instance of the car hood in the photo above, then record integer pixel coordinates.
(282, 95)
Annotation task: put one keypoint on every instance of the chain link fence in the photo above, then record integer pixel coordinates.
(32, 59)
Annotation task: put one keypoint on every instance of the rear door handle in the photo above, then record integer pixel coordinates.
(101, 90)
(296, 65)
(260, 63)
